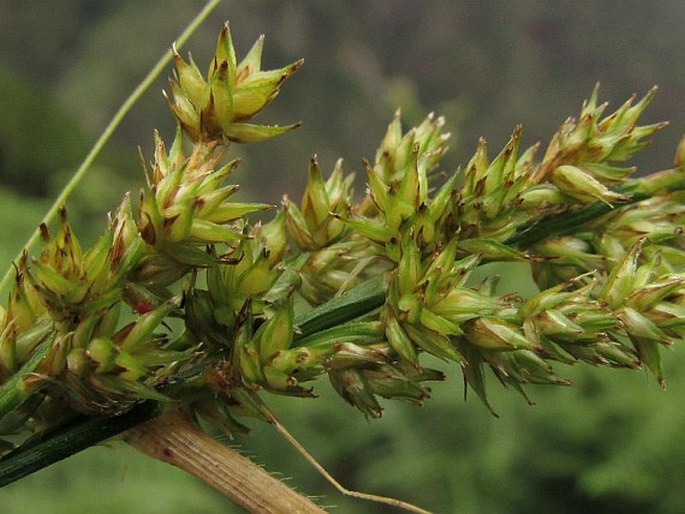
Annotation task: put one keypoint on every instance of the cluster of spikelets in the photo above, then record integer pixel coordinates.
(376, 281)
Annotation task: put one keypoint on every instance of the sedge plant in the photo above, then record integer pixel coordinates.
(353, 288)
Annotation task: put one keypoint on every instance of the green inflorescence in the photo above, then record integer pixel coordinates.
(355, 288)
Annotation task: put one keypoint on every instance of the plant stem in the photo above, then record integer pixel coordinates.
(393, 502)
(563, 223)
(176, 439)
(67, 441)
(560, 224)
(360, 300)
(109, 130)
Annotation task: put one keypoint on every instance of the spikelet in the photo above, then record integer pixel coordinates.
(220, 106)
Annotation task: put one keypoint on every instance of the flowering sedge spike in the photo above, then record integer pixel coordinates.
(394, 155)
(233, 93)
(315, 225)
(93, 366)
(382, 280)
(187, 204)
(398, 181)
(592, 139)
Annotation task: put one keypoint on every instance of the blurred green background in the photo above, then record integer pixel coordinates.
(613, 443)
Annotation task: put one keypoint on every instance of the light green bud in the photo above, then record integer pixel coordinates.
(434, 343)
(620, 283)
(495, 334)
(639, 326)
(575, 182)
(399, 340)
(276, 333)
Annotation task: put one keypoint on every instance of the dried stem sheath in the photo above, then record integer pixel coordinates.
(175, 439)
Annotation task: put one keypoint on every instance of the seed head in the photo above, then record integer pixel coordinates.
(220, 106)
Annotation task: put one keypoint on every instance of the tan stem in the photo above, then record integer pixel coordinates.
(174, 438)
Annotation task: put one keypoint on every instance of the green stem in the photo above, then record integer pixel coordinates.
(662, 182)
(563, 223)
(109, 130)
(364, 298)
(77, 436)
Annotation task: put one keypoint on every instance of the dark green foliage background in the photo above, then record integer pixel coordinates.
(613, 443)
